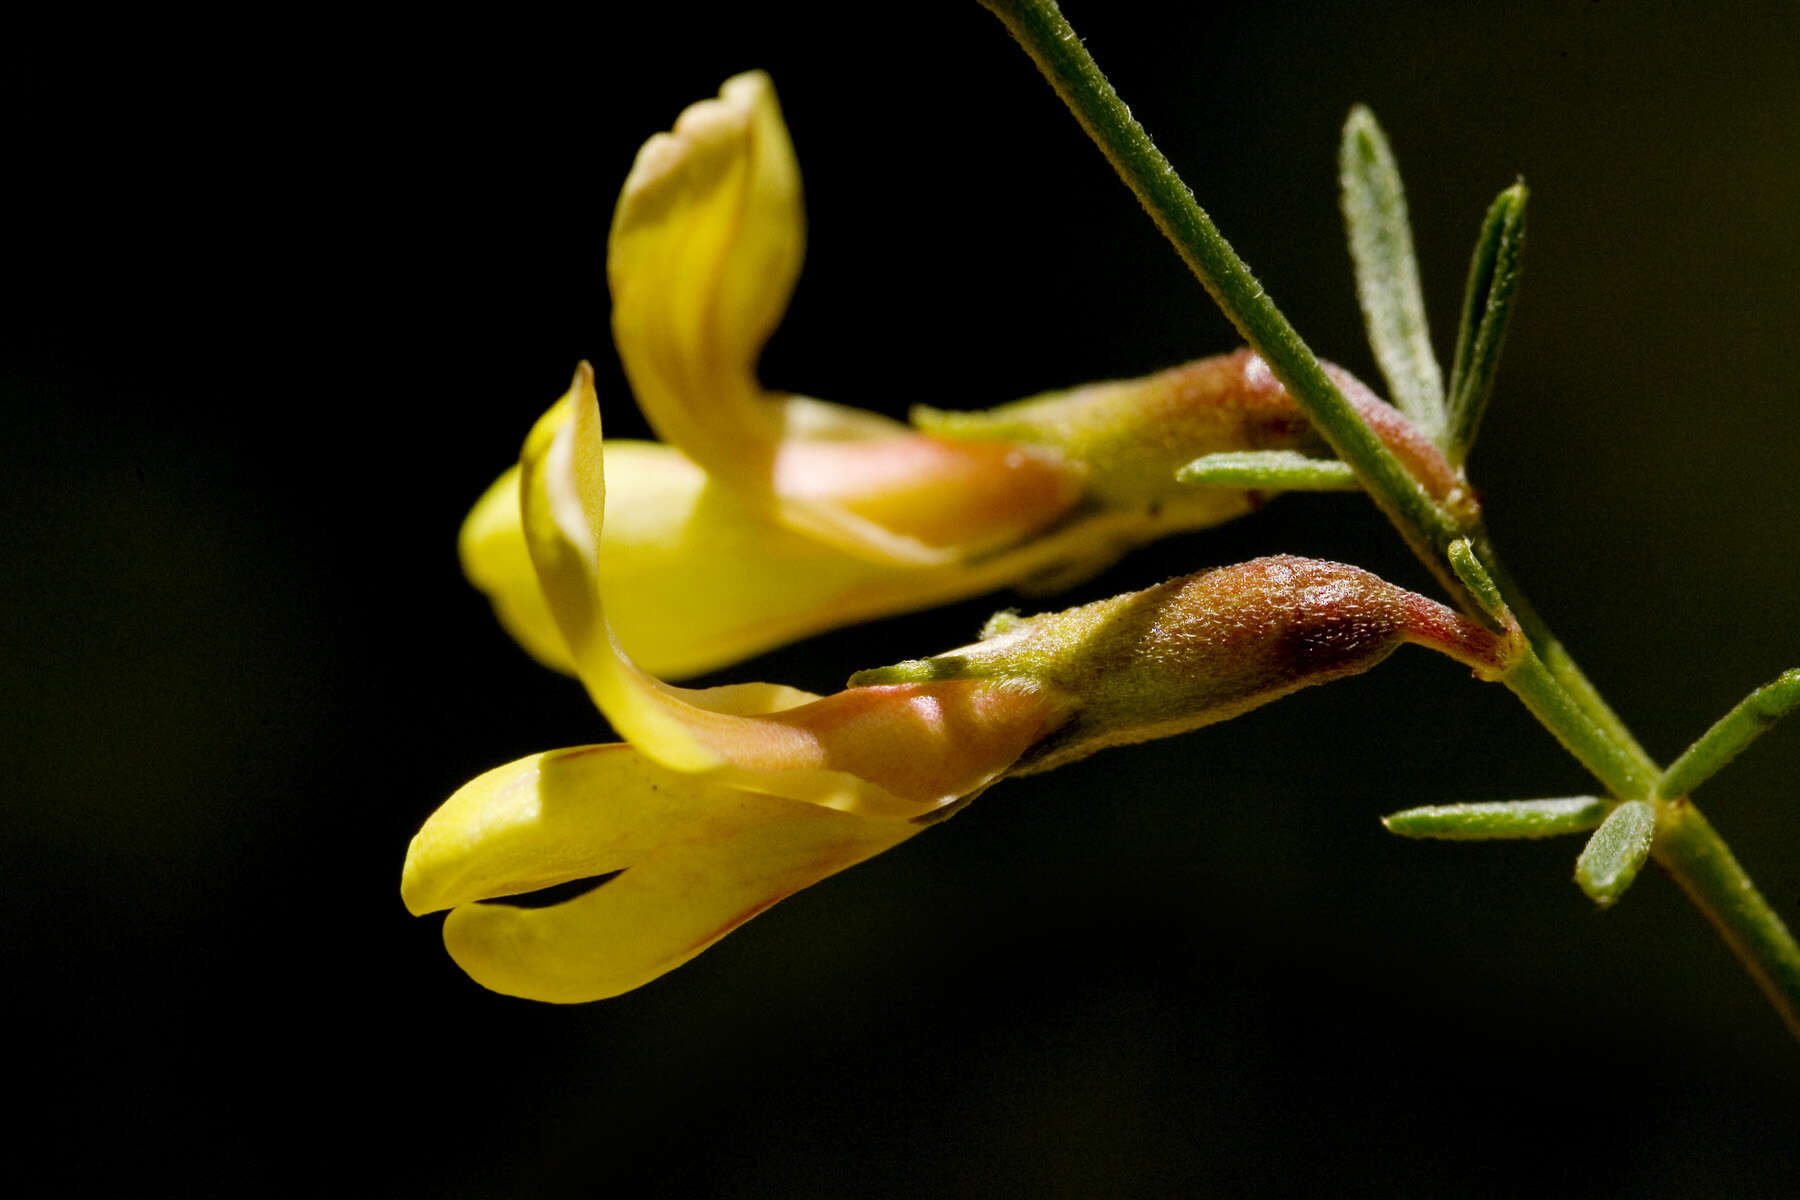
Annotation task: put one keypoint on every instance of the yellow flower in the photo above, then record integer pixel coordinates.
(722, 801)
(766, 516)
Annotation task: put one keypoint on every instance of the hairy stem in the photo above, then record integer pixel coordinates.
(1546, 679)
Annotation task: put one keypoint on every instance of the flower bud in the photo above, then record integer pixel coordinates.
(1132, 435)
(1203, 648)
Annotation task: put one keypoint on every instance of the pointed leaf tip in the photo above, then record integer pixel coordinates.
(1488, 297)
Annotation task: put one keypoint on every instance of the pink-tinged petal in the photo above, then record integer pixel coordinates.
(927, 744)
(817, 752)
(705, 246)
(696, 855)
(563, 502)
(973, 496)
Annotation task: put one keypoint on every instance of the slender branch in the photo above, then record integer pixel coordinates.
(1547, 681)
(1040, 28)
(1625, 774)
(1545, 678)
(1560, 663)
(1701, 862)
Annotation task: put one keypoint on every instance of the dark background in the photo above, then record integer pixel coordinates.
(276, 311)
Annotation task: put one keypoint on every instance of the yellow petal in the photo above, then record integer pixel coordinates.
(667, 559)
(545, 820)
(695, 855)
(697, 577)
(970, 497)
(562, 492)
(698, 859)
(667, 907)
(705, 246)
(562, 503)
(706, 243)
(694, 578)
(495, 559)
(559, 816)
(695, 581)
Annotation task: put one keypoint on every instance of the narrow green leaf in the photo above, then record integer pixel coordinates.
(1613, 856)
(1731, 733)
(1500, 819)
(1288, 470)
(1487, 311)
(1387, 274)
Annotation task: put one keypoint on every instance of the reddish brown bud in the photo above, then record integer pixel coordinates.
(1131, 436)
(1204, 648)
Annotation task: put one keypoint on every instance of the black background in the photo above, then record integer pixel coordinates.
(280, 299)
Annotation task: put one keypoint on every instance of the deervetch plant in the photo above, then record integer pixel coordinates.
(768, 516)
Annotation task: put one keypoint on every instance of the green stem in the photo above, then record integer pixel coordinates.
(1701, 862)
(1627, 774)
(1557, 660)
(1549, 682)
(1546, 678)
(1040, 28)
